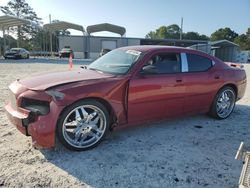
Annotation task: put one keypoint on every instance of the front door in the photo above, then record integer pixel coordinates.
(158, 91)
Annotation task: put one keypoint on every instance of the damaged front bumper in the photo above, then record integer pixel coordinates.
(40, 127)
(33, 117)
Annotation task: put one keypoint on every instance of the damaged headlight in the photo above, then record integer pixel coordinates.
(37, 107)
(55, 94)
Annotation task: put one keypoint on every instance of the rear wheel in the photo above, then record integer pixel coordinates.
(83, 125)
(223, 103)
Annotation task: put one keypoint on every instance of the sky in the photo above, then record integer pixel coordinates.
(141, 16)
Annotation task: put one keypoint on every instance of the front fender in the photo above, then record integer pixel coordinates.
(112, 91)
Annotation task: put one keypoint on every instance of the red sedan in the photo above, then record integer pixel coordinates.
(126, 86)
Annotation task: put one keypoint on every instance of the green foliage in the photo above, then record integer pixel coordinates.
(194, 36)
(164, 32)
(21, 9)
(224, 33)
(10, 41)
(173, 32)
(243, 40)
(151, 35)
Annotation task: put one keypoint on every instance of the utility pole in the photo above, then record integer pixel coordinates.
(50, 37)
(181, 28)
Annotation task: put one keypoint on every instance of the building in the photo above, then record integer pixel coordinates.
(88, 46)
(223, 49)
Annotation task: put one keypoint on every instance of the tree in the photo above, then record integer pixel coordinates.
(21, 9)
(151, 35)
(224, 33)
(243, 40)
(161, 32)
(173, 32)
(164, 32)
(10, 41)
(194, 36)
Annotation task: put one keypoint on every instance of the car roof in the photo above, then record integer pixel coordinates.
(152, 48)
(147, 48)
(16, 48)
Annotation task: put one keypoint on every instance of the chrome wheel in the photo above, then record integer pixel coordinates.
(84, 126)
(225, 103)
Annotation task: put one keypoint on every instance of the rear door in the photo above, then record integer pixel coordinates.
(201, 81)
(158, 90)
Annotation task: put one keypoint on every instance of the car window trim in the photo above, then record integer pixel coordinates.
(212, 64)
(184, 62)
(157, 53)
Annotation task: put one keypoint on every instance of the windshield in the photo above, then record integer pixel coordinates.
(116, 62)
(14, 50)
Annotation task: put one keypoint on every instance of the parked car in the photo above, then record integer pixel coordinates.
(127, 86)
(104, 51)
(65, 52)
(17, 53)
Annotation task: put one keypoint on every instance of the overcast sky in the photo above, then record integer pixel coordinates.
(141, 16)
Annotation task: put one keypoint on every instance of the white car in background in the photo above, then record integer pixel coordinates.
(17, 53)
(66, 51)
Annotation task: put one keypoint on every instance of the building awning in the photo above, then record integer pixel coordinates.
(62, 25)
(7, 21)
(106, 27)
(224, 43)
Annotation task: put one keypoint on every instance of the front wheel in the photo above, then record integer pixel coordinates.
(83, 125)
(223, 103)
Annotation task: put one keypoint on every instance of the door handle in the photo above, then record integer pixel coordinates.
(178, 80)
(216, 77)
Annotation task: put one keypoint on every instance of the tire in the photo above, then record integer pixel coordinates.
(83, 125)
(224, 103)
(28, 56)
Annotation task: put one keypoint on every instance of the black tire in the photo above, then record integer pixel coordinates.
(28, 56)
(60, 132)
(214, 109)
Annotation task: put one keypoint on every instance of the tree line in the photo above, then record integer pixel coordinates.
(35, 38)
(173, 32)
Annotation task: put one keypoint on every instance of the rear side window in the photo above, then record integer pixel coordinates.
(197, 63)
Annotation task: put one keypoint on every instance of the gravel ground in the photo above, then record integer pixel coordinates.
(187, 152)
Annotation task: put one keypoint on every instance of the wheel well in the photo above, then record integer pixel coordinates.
(234, 88)
(110, 109)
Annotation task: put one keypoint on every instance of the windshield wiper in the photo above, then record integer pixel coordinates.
(118, 65)
(97, 70)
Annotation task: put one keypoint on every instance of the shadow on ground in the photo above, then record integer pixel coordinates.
(187, 152)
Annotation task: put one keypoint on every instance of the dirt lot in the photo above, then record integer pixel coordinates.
(187, 152)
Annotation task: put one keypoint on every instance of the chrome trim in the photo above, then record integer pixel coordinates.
(184, 63)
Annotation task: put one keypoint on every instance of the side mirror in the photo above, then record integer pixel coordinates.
(149, 69)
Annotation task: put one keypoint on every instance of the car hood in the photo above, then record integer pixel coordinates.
(43, 82)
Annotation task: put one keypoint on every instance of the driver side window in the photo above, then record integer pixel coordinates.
(166, 63)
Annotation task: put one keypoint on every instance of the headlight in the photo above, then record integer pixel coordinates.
(55, 94)
(36, 106)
